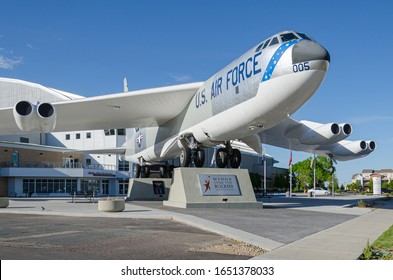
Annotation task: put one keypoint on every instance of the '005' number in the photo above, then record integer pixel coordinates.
(300, 67)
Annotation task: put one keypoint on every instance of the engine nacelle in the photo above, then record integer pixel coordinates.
(46, 117)
(350, 148)
(310, 133)
(371, 146)
(30, 116)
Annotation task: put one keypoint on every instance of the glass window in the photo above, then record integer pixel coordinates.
(62, 185)
(266, 44)
(304, 36)
(109, 132)
(259, 48)
(67, 136)
(288, 37)
(38, 186)
(88, 135)
(124, 165)
(25, 186)
(78, 136)
(274, 41)
(121, 131)
(123, 186)
(24, 140)
(71, 185)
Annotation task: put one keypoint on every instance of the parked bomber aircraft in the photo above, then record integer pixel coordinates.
(250, 101)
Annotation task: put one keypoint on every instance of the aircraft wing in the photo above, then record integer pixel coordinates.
(142, 108)
(321, 139)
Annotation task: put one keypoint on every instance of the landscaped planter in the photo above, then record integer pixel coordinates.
(4, 202)
(111, 205)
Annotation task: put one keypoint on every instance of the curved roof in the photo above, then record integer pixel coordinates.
(13, 90)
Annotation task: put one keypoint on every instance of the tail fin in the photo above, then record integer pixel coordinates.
(125, 84)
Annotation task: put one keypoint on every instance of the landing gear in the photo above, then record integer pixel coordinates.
(185, 157)
(192, 154)
(222, 158)
(141, 171)
(166, 171)
(189, 156)
(228, 155)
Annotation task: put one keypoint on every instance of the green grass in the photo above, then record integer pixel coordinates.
(385, 241)
(381, 249)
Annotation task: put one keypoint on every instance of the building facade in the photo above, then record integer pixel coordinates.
(363, 179)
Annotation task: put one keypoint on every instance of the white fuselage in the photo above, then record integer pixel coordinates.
(253, 93)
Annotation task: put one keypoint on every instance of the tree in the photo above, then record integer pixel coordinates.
(304, 173)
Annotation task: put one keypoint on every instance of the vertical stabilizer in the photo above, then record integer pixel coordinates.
(125, 84)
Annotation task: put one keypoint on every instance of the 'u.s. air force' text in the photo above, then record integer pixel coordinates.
(234, 76)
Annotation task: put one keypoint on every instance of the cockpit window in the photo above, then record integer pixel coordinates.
(288, 37)
(304, 36)
(274, 41)
(259, 47)
(266, 43)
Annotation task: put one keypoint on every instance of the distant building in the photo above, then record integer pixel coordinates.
(363, 179)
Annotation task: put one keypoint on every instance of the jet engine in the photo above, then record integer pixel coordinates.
(350, 148)
(41, 116)
(311, 133)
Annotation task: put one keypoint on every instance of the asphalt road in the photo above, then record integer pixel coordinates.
(78, 238)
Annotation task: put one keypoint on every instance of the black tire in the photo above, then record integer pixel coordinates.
(222, 158)
(163, 172)
(235, 159)
(200, 158)
(185, 157)
(145, 171)
(137, 171)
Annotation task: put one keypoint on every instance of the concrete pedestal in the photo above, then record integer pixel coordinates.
(4, 202)
(211, 188)
(111, 205)
(156, 189)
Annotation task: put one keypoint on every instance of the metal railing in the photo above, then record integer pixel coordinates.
(31, 164)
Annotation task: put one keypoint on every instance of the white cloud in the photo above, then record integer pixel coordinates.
(30, 46)
(180, 78)
(10, 63)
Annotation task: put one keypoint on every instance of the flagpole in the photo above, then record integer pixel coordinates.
(314, 177)
(264, 172)
(290, 182)
(290, 175)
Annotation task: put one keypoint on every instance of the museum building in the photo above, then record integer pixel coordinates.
(40, 164)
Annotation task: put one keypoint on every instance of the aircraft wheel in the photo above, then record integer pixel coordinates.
(222, 158)
(170, 171)
(235, 159)
(137, 171)
(163, 172)
(145, 172)
(200, 158)
(185, 157)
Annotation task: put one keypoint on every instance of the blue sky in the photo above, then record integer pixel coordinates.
(87, 47)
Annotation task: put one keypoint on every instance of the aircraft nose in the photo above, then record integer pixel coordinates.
(307, 50)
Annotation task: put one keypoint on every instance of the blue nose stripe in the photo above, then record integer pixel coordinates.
(275, 59)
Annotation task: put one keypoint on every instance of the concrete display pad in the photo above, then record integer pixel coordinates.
(211, 188)
(156, 189)
(4, 202)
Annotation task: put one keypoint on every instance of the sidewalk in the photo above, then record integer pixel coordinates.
(320, 232)
(345, 241)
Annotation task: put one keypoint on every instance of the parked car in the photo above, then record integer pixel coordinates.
(319, 191)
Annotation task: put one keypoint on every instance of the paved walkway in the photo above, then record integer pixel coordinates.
(291, 228)
(344, 241)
